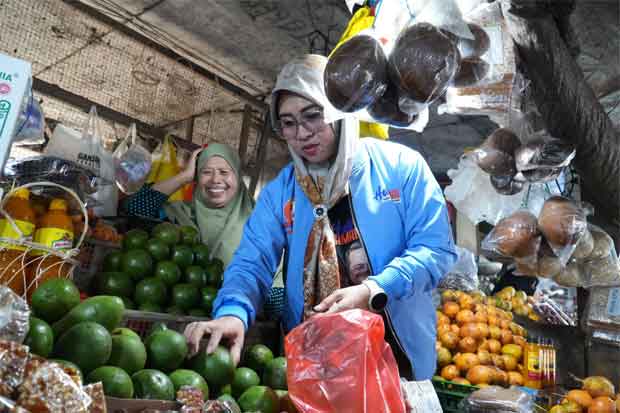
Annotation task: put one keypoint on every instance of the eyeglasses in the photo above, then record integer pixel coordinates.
(311, 119)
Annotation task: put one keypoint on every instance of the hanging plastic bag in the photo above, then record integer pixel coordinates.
(166, 166)
(341, 363)
(132, 163)
(464, 274)
(31, 123)
(516, 236)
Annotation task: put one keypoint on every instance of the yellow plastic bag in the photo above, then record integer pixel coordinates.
(362, 20)
(165, 166)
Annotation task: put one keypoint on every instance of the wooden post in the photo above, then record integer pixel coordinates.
(189, 129)
(245, 133)
(262, 153)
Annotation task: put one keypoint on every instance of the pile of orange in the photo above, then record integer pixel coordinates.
(477, 342)
(597, 395)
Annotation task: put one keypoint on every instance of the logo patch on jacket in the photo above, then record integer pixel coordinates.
(382, 194)
(289, 215)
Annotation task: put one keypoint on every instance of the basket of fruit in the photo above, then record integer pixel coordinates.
(37, 235)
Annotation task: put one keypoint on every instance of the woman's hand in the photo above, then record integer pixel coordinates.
(345, 299)
(190, 170)
(228, 327)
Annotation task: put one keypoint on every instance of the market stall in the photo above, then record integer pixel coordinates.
(96, 299)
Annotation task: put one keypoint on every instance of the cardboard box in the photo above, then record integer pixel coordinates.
(116, 405)
(15, 84)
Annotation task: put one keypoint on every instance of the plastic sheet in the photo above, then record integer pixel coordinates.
(132, 163)
(495, 399)
(341, 363)
(13, 359)
(473, 195)
(14, 316)
(49, 389)
(464, 274)
(356, 73)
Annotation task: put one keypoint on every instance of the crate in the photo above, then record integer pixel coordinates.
(451, 394)
(261, 332)
(92, 253)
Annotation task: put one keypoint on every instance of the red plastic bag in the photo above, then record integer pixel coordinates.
(341, 363)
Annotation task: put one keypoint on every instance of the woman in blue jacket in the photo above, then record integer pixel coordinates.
(339, 191)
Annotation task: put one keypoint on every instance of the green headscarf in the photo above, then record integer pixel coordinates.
(220, 228)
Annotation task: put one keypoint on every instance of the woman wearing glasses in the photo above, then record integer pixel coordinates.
(338, 191)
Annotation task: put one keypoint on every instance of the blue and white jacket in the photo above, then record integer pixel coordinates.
(402, 219)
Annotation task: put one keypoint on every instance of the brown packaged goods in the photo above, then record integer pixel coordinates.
(356, 74)
(13, 360)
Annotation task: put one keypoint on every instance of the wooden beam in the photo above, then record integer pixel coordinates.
(262, 153)
(569, 107)
(189, 129)
(105, 112)
(245, 133)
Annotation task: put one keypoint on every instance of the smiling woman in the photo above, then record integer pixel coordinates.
(220, 204)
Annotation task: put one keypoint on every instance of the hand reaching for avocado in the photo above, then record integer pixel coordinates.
(228, 327)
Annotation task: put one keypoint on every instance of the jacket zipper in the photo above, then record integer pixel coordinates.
(387, 313)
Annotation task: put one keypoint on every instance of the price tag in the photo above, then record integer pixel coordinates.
(613, 302)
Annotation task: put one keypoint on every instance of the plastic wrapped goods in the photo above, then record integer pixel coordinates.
(14, 316)
(356, 74)
(464, 274)
(423, 64)
(494, 399)
(132, 163)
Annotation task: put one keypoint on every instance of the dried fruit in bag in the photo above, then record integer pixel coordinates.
(571, 275)
(471, 71)
(423, 64)
(356, 73)
(13, 360)
(475, 47)
(49, 389)
(506, 185)
(97, 396)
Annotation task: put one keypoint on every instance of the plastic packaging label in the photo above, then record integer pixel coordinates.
(613, 303)
(55, 238)
(421, 397)
(7, 231)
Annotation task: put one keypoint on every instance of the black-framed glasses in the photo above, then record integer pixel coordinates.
(312, 120)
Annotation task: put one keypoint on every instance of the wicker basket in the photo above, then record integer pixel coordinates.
(22, 271)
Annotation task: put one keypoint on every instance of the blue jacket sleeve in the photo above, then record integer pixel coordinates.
(430, 250)
(249, 276)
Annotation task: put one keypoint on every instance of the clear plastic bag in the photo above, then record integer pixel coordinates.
(601, 267)
(132, 163)
(563, 222)
(473, 195)
(464, 274)
(14, 316)
(496, 155)
(218, 406)
(572, 275)
(341, 363)
(494, 399)
(13, 360)
(356, 73)
(422, 65)
(515, 236)
(50, 389)
(31, 124)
